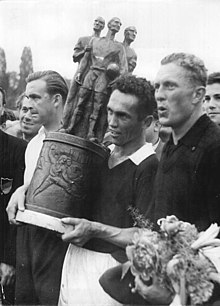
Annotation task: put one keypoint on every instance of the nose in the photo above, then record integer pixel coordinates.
(28, 115)
(211, 104)
(112, 120)
(159, 94)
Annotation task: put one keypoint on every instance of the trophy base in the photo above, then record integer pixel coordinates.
(44, 221)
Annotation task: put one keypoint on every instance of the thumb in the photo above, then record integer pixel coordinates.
(21, 200)
(71, 221)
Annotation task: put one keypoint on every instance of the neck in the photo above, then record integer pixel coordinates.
(96, 33)
(27, 137)
(110, 35)
(179, 132)
(126, 43)
(130, 147)
(55, 123)
(155, 140)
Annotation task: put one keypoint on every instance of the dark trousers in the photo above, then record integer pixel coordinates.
(39, 261)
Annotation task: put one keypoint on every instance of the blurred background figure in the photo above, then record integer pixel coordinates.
(212, 97)
(11, 176)
(154, 132)
(5, 114)
(28, 124)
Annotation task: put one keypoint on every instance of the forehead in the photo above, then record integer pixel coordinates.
(213, 88)
(116, 20)
(171, 72)
(36, 86)
(25, 102)
(132, 29)
(99, 19)
(122, 102)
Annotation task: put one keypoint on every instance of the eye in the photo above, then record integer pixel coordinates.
(207, 98)
(156, 86)
(109, 111)
(169, 85)
(123, 116)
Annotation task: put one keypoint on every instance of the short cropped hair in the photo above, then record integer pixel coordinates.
(140, 88)
(3, 95)
(213, 78)
(54, 81)
(195, 66)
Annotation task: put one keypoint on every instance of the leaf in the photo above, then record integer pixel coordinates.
(125, 267)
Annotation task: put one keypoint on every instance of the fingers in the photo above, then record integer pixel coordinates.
(16, 202)
(12, 211)
(7, 274)
(71, 221)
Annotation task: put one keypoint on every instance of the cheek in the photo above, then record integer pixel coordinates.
(178, 104)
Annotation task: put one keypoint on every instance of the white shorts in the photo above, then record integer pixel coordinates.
(80, 286)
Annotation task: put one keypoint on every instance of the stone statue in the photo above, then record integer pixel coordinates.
(80, 49)
(106, 59)
(129, 36)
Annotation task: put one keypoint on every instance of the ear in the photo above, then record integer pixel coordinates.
(199, 94)
(147, 121)
(57, 100)
(157, 126)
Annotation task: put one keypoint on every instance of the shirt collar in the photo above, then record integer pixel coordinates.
(41, 131)
(192, 137)
(137, 157)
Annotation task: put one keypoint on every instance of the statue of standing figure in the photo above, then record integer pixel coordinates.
(130, 34)
(104, 60)
(81, 47)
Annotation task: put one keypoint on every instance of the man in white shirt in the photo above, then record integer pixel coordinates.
(40, 253)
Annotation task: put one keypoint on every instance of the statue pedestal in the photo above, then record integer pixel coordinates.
(42, 220)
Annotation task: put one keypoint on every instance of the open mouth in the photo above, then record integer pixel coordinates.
(113, 133)
(162, 111)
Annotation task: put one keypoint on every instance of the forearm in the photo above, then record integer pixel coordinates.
(118, 236)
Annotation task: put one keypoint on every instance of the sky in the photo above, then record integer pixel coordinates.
(51, 28)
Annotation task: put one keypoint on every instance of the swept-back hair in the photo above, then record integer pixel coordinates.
(213, 78)
(54, 81)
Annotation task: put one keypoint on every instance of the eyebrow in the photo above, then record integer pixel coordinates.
(32, 96)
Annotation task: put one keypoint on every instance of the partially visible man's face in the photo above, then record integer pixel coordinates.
(29, 118)
(99, 24)
(212, 102)
(174, 95)
(123, 123)
(41, 101)
(1, 103)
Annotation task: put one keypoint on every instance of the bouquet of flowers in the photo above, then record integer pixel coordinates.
(178, 259)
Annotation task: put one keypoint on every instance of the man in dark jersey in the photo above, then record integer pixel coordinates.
(187, 183)
(126, 180)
